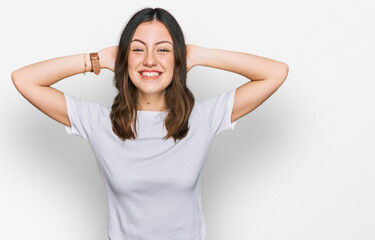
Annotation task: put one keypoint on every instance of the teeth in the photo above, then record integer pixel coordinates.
(150, 74)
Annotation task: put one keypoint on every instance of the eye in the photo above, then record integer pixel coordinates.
(137, 50)
(163, 50)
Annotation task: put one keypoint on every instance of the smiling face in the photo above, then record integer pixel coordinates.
(151, 58)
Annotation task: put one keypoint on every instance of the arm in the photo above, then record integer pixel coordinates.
(33, 82)
(266, 75)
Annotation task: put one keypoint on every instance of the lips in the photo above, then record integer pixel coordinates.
(149, 71)
(150, 77)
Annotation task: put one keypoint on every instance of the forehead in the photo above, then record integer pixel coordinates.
(151, 32)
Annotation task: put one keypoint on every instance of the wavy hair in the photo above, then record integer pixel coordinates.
(179, 99)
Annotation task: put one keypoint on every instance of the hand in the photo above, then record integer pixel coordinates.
(107, 57)
(191, 56)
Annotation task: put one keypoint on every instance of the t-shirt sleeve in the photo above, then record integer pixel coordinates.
(217, 111)
(84, 116)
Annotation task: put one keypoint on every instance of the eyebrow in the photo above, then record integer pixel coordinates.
(138, 40)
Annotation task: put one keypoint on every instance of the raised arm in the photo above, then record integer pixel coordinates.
(266, 75)
(34, 83)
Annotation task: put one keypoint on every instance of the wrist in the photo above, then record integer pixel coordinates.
(88, 62)
(95, 62)
(101, 59)
(198, 55)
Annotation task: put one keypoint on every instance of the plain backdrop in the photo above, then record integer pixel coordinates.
(300, 166)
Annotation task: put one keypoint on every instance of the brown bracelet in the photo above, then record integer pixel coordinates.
(95, 66)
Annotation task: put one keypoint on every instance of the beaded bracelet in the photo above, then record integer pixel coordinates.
(84, 57)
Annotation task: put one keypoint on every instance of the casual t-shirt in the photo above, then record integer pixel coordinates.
(152, 185)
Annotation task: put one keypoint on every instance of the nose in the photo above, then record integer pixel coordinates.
(149, 59)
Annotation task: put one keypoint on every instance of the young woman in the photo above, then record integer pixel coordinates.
(151, 145)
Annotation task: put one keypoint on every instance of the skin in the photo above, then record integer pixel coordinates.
(154, 51)
(266, 75)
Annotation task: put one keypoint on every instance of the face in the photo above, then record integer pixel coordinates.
(151, 58)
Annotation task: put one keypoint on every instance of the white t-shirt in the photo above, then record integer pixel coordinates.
(152, 185)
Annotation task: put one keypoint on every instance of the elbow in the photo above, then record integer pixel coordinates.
(16, 79)
(283, 72)
(286, 71)
(13, 76)
(280, 73)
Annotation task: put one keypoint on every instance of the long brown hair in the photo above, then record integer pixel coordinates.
(179, 99)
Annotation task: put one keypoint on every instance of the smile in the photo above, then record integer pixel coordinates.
(150, 75)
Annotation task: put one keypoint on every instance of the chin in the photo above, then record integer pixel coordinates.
(151, 91)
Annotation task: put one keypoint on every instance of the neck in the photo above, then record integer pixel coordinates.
(151, 102)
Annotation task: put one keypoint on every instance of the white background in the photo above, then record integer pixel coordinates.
(300, 166)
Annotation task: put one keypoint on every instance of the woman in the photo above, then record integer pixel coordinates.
(150, 147)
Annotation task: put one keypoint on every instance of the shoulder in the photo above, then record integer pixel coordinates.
(216, 111)
(86, 107)
(84, 115)
(209, 105)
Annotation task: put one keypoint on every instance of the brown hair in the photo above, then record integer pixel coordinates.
(179, 99)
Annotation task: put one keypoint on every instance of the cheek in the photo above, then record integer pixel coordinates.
(168, 63)
(135, 59)
(132, 66)
(132, 61)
